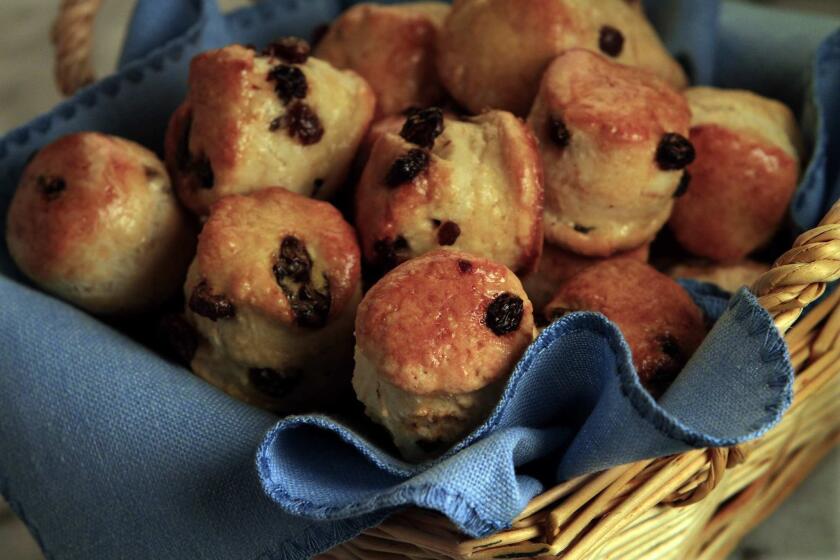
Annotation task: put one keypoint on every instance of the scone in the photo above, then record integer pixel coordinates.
(558, 265)
(492, 53)
(393, 48)
(94, 221)
(276, 117)
(272, 293)
(436, 340)
(659, 320)
(614, 142)
(729, 277)
(473, 185)
(746, 172)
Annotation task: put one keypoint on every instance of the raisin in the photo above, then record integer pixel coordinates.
(388, 253)
(582, 229)
(50, 186)
(275, 124)
(291, 49)
(406, 167)
(423, 126)
(682, 188)
(209, 305)
(289, 82)
(448, 233)
(151, 173)
(182, 153)
(558, 133)
(203, 171)
(611, 41)
(674, 152)
(670, 346)
(464, 266)
(304, 124)
(177, 338)
(311, 307)
(274, 383)
(317, 185)
(504, 314)
(294, 261)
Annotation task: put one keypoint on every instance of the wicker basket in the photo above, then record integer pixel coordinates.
(697, 504)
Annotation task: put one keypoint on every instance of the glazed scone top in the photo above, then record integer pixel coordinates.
(746, 112)
(242, 241)
(483, 175)
(252, 124)
(82, 198)
(393, 47)
(424, 326)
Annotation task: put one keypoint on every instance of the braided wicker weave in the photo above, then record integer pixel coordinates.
(697, 504)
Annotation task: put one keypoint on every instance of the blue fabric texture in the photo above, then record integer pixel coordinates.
(108, 451)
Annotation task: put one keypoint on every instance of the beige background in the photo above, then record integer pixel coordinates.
(807, 527)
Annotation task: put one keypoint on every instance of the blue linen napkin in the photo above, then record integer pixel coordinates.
(108, 451)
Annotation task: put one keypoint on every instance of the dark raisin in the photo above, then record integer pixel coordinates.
(611, 41)
(406, 167)
(465, 266)
(436, 223)
(448, 233)
(682, 188)
(274, 383)
(304, 124)
(203, 172)
(431, 446)
(276, 124)
(311, 307)
(50, 186)
(504, 314)
(209, 305)
(289, 82)
(318, 34)
(182, 154)
(291, 49)
(177, 338)
(670, 346)
(151, 173)
(674, 152)
(293, 261)
(423, 126)
(388, 253)
(558, 133)
(582, 229)
(317, 185)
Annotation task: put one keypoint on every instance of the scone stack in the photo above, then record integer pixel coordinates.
(499, 179)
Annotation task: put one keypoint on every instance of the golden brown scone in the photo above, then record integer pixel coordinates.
(613, 143)
(253, 119)
(273, 293)
(745, 174)
(492, 53)
(729, 277)
(393, 48)
(95, 222)
(436, 340)
(474, 185)
(659, 320)
(558, 265)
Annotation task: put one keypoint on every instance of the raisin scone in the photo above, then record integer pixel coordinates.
(746, 171)
(393, 48)
(473, 184)
(661, 323)
(730, 276)
(94, 221)
(492, 53)
(272, 293)
(275, 117)
(614, 143)
(558, 265)
(430, 367)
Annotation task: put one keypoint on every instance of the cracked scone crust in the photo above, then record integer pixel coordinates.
(436, 340)
(479, 191)
(272, 293)
(393, 48)
(95, 222)
(745, 174)
(499, 67)
(252, 119)
(613, 144)
(661, 323)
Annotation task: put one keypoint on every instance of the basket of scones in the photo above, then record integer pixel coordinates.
(488, 279)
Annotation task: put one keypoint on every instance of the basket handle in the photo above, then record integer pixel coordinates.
(72, 36)
(799, 276)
